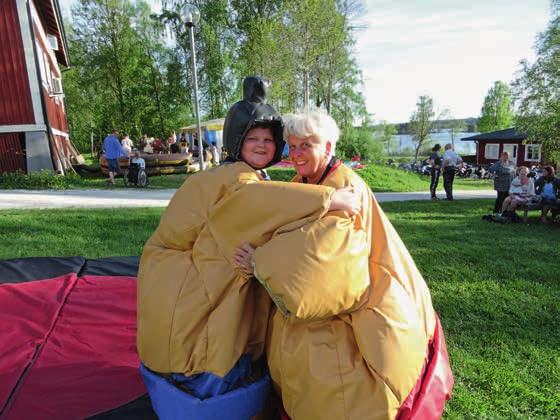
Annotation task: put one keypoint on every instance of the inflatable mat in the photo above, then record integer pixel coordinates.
(68, 342)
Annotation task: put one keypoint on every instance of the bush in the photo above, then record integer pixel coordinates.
(359, 143)
(38, 180)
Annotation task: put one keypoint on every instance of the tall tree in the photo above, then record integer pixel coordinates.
(127, 74)
(422, 122)
(120, 72)
(497, 111)
(537, 88)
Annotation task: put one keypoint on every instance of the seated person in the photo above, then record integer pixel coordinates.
(127, 144)
(172, 145)
(521, 190)
(149, 148)
(215, 154)
(183, 145)
(201, 323)
(547, 188)
(158, 145)
(142, 143)
(136, 159)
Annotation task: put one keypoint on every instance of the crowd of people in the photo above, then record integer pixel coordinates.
(518, 186)
(113, 149)
(515, 186)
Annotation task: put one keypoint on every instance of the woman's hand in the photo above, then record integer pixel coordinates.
(243, 259)
(346, 199)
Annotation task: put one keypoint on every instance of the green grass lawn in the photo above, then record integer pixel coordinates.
(387, 179)
(380, 178)
(495, 287)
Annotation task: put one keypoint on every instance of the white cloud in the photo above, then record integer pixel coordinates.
(443, 49)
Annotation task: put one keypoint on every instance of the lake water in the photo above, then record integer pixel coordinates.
(403, 142)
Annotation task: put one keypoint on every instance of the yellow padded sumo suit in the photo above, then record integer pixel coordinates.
(195, 312)
(328, 359)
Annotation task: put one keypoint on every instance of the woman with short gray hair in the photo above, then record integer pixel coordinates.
(354, 330)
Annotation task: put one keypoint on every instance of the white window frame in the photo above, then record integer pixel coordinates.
(513, 152)
(493, 156)
(531, 146)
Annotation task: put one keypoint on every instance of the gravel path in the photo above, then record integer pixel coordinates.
(43, 199)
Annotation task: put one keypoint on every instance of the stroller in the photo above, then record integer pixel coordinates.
(135, 174)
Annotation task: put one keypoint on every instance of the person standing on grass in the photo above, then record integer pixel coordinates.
(113, 151)
(435, 163)
(450, 162)
(504, 171)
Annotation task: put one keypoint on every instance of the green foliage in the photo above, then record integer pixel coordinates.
(126, 73)
(379, 178)
(383, 178)
(359, 142)
(123, 75)
(38, 180)
(497, 112)
(422, 122)
(281, 174)
(384, 133)
(537, 91)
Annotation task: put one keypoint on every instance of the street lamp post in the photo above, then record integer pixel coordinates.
(191, 16)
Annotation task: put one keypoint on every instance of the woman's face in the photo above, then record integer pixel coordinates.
(258, 147)
(523, 172)
(545, 173)
(309, 155)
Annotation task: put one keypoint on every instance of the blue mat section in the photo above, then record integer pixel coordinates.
(170, 402)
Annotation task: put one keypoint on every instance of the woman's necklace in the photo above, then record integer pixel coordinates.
(325, 173)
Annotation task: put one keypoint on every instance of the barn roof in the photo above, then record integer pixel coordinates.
(499, 135)
(52, 19)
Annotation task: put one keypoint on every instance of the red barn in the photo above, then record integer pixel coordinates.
(33, 126)
(490, 145)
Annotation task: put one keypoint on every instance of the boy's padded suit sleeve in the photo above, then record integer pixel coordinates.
(190, 296)
(251, 213)
(318, 270)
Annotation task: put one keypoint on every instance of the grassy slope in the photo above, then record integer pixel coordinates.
(500, 311)
(386, 179)
(380, 178)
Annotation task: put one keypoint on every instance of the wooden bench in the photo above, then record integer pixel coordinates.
(525, 208)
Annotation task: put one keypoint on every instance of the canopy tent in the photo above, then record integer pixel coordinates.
(212, 132)
(69, 341)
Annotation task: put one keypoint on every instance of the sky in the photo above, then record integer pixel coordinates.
(452, 50)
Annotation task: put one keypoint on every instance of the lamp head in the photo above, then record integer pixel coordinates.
(189, 14)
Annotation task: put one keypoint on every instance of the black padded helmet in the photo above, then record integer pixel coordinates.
(252, 112)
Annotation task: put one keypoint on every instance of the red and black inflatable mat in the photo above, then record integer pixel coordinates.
(68, 339)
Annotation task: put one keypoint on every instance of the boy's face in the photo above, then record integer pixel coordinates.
(258, 147)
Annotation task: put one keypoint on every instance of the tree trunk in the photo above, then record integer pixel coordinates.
(306, 90)
(417, 151)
